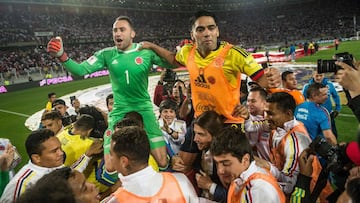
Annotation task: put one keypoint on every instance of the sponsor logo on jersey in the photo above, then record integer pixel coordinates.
(139, 60)
(200, 80)
(91, 60)
(204, 107)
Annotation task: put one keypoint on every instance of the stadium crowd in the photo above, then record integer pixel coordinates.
(205, 146)
(22, 49)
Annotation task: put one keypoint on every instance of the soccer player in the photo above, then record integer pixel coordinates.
(129, 68)
(44, 151)
(233, 155)
(215, 68)
(140, 183)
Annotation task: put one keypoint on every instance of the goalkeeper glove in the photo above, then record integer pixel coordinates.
(55, 48)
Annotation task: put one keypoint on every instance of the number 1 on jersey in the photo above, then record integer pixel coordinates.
(127, 77)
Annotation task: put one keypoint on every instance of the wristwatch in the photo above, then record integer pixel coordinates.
(171, 132)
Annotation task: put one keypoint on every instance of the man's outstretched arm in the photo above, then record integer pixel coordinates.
(162, 52)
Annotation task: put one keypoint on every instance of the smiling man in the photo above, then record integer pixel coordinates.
(129, 68)
(288, 138)
(233, 155)
(46, 155)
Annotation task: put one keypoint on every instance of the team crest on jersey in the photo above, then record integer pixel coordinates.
(211, 80)
(108, 133)
(139, 60)
(219, 62)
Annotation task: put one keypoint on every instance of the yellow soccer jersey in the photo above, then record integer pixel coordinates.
(48, 106)
(73, 146)
(236, 61)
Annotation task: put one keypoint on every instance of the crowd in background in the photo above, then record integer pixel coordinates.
(22, 51)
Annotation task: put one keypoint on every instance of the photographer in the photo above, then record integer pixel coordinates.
(164, 86)
(349, 78)
(349, 154)
(173, 89)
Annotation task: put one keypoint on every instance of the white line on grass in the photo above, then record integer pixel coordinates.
(15, 113)
(346, 115)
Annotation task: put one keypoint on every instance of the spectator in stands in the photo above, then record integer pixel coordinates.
(332, 93)
(129, 86)
(44, 151)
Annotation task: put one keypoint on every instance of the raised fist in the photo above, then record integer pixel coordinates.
(55, 48)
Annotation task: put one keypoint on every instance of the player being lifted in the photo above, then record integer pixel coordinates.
(128, 67)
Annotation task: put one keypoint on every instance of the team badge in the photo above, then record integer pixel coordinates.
(139, 60)
(108, 133)
(211, 80)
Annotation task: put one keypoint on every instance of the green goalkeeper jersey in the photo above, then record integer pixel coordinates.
(129, 71)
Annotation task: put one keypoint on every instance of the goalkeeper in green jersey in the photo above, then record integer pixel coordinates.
(129, 69)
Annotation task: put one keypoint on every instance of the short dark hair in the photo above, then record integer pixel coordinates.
(128, 122)
(84, 122)
(233, 141)
(51, 115)
(263, 93)
(126, 18)
(285, 74)
(199, 14)
(353, 189)
(314, 88)
(51, 94)
(100, 123)
(33, 143)
(283, 100)
(53, 187)
(210, 121)
(58, 102)
(132, 142)
(110, 96)
(135, 116)
(168, 104)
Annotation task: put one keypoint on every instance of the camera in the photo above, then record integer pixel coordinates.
(170, 76)
(335, 155)
(329, 66)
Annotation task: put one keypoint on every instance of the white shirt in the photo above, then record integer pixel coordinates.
(258, 190)
(28, 175)
(294, 145)
(178, 126)
(258, 132)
